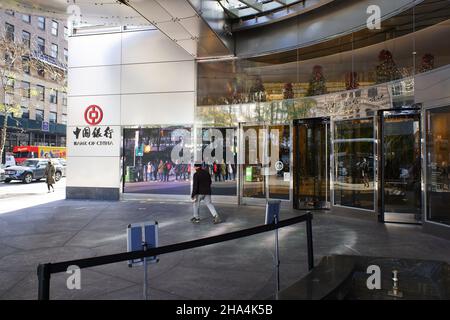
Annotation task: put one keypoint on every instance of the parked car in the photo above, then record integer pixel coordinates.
(63, 164)
(10, 160)
(2, 173)
(32, 169)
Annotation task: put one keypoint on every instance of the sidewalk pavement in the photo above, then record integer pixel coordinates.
(238, 269)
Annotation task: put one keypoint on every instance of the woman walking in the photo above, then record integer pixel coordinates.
(50, 175)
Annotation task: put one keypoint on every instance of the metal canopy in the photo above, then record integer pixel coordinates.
(180, 20)
(249, 8)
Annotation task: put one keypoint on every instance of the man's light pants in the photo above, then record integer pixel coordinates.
(207, 199)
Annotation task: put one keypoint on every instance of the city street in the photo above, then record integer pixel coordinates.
(17, 195)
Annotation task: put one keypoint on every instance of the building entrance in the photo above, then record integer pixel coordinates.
(312, 163)
(264, 163)
(401, 167)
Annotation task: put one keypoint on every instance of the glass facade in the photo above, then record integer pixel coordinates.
(219, 156)
(148, 161)
(438, 165)
(354, 163)
(355, 61)
(401, 166)
(312, 163)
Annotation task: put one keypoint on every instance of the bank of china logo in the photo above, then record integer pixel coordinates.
(93, 115)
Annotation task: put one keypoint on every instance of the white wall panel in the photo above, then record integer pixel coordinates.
(95, 50)
(97, 172)
(150, 46)
(110, 106)
(168, 108)
(94, 81)
(158, 77)
(102, 146)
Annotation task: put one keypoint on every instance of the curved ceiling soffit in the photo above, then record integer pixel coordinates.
(291, 34)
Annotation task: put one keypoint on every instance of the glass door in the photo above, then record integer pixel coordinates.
(437, 124)
(401, 171)
(265, 162)
(253, 153)
(279, 149)
(312, 163)
(354, 164)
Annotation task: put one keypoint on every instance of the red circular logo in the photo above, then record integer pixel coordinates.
(93, 115)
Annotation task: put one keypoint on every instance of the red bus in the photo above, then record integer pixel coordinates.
(21, 153)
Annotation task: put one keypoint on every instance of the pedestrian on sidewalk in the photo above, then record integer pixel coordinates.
(201, 190)
(50, 175)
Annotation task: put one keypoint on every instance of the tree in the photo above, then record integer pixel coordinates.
(317, 82)
(17, 58)
(387, 70)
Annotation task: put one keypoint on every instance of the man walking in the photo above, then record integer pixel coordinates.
(201, 190)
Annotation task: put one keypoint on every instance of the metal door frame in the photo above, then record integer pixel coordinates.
(241, 160)
(327, 122)
(395, 113)
(374, 118)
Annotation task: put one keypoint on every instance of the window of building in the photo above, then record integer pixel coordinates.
(41, 23)
(53, 96)
(26, 38)
(39, 115)
(9, 98)
(10, 85)
(25, 89)
(26, 18)
(25, 113)
(64, 119)
(8, 59)
(9, 29)
(41, 72)
(64, 99)
(66, 55)
(54, 51)
(66, 33)
(41, 92)
(52, 117)
(26, 64)
(41, 44)
(54, 28)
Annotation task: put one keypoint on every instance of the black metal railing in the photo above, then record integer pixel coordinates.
(44, 271)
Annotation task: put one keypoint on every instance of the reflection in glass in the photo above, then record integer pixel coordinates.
(252, 166)
(354, 163)
(148, 165)
(438, 165)
(221, 165)
(402, 168)
(266, 162)
(312, 164)
(279, 177)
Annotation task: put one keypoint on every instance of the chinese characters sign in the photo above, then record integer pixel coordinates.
(95, 141)
(93, 136)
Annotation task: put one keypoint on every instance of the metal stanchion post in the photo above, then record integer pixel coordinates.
(309, 241)
(43, 272)
(144, 247)
(277, 259)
